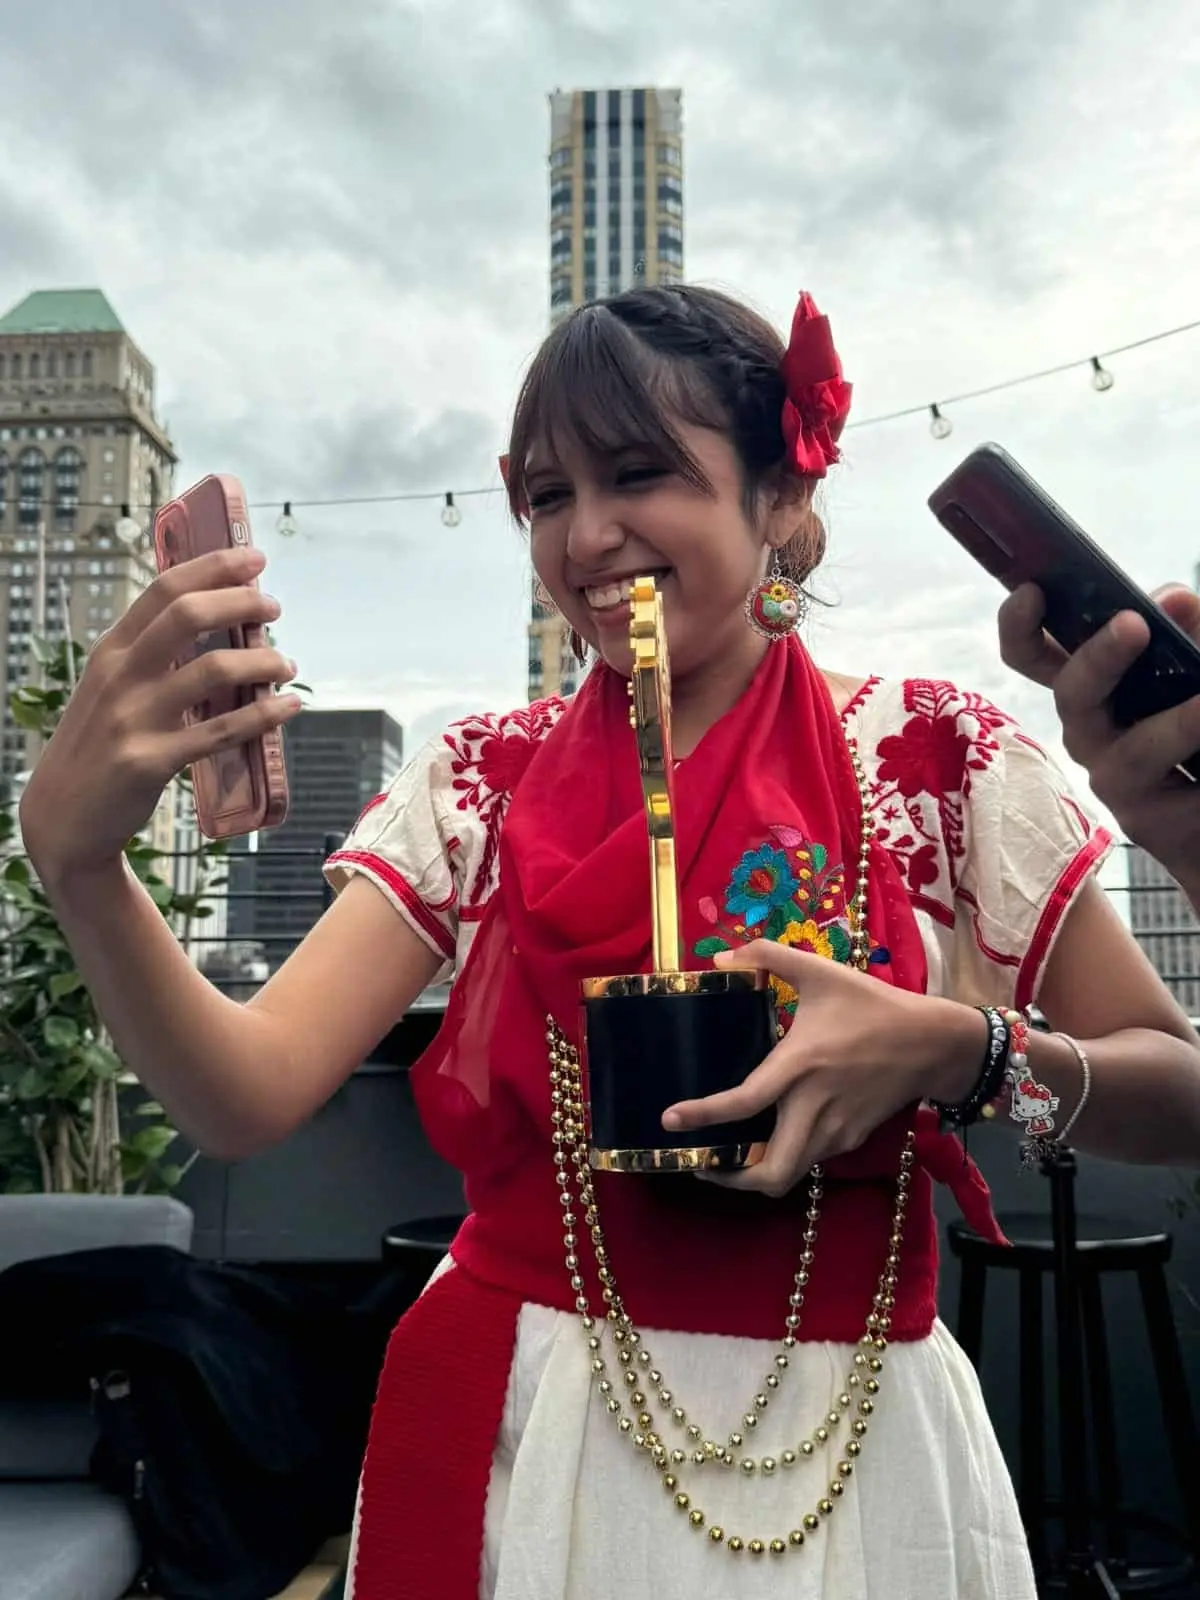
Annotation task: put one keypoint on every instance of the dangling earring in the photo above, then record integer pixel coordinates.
(776, 606)
(578, 649)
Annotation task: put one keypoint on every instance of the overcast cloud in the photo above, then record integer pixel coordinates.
(326, 225)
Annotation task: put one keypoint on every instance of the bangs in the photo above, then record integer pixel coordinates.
(595, 387)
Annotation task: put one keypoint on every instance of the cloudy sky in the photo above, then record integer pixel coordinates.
(325, 223)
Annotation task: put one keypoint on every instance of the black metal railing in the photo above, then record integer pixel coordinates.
(1170, 936)
(268, 902)
(239, 960)
(238, 952)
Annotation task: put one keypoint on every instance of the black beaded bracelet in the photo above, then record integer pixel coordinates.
(961, 1113)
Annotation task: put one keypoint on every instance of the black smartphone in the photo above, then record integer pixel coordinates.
(1016, 532)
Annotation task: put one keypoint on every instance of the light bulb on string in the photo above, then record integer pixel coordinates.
(287, 527)
(1102, 378)
(940, 427)
(127, 530)
(451, 515)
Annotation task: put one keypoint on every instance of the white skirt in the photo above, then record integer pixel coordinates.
(575, 1513)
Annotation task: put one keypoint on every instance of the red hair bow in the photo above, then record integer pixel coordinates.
(818, 397)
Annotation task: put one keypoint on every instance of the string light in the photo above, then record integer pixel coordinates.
(1102, 378)
(127, 530)
(940, 426)
(1026, 377)
(451, 515)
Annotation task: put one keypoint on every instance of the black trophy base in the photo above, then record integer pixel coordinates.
(656, 1038)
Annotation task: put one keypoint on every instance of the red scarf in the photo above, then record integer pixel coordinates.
(768, 826)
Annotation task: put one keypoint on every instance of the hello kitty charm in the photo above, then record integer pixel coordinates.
(1033, 1104)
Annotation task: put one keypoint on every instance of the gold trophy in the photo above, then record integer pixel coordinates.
(654, 1038)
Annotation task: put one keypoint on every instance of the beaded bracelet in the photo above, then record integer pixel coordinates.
(961, 1113)
(1085, 1067)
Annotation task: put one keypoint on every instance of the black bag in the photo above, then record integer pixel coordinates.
(232, 1404)
(215, 1523)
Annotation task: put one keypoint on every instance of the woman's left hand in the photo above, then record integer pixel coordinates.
(857, 1052)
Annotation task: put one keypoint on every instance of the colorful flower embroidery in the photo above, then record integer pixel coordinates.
(762, 882)
(818, 941)
(784, 889)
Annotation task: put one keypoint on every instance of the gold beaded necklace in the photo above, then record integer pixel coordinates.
(638, 1372)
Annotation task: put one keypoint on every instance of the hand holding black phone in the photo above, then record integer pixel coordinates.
(1017, 533)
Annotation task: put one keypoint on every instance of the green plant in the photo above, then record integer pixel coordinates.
(71, 1117)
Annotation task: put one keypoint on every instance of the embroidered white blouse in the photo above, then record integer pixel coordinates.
(987, 835)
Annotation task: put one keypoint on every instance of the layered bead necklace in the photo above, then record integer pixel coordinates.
(633, 1377)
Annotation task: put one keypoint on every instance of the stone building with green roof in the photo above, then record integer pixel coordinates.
(80, 441)
(54, 311)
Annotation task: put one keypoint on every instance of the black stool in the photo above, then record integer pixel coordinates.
(1098, 1250)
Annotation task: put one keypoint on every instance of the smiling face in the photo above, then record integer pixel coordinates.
(597, 522)
(648, 440)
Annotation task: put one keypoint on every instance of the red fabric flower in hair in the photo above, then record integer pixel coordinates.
(818, 397)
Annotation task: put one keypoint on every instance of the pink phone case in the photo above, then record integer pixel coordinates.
(243, 789)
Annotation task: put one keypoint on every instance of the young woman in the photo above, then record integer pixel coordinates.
(770, 1406)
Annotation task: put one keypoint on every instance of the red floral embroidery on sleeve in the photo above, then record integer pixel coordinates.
(489, 755)
(929, 757)
(922, 780)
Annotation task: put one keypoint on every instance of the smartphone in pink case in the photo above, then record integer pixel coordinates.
(245, 788)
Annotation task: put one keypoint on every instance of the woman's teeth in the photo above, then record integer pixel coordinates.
(605, 597)
(613, 594)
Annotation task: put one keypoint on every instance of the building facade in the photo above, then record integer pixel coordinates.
(616, 193)
(616, 220)
(1164, 924)
(336, 761)
(84, 464)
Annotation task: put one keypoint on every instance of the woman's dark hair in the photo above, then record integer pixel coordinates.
(616, 372)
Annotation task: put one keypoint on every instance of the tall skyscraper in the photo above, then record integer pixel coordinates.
(616, 192)
(1166, 927)
(336, 762)
(81, 447)
(616, 220)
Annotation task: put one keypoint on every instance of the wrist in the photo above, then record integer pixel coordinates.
(69, 883)
(958, 1048)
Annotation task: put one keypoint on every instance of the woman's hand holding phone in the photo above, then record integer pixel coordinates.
(1133, 771)
(123, 735)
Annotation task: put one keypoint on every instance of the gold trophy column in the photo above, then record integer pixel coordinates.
(653, 1038)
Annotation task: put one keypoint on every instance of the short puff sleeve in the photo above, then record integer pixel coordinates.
(1029, 847)
(983, 828)
(403, 841)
